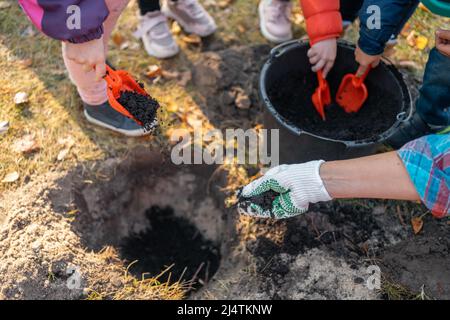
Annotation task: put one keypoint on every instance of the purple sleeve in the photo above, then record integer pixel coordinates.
(75, 21)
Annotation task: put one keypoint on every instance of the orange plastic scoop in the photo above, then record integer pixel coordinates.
(119, 81)
(353, 92)
(322, 96)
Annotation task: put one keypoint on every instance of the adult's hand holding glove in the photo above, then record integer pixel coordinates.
(322, 55)
(298, 185)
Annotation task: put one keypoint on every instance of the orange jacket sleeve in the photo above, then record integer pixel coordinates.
(323, 19)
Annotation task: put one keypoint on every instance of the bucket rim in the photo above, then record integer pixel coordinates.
(283, 48)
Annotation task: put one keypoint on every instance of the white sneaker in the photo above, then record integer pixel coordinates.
(191, 16)
(155, 34)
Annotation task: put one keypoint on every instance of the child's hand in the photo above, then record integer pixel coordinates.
(298, 185)
(443, 41)
(322, 55)
(90, 54)
(365, 60)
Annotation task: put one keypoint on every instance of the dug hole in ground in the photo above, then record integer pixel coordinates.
(78, 235)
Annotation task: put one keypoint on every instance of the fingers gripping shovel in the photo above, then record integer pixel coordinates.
(322, 96)
(353, 92)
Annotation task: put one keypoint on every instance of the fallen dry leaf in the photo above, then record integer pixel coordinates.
(11, 177)
(223, 4)
(172, 107)
(175, 28)
(424, 8)
(118, 39)
(26, 144)
(406, 30)
(29, 31)
(417, 224)
(411, 38)
(241, 28)
(241, 100)
(184, 79)
(125, 45)
(21, 97)
(25, 63)
(421, 42)
(194, 122)
(297, 18)
(68, 141)
(192, 39)
(153, 71)
(62, 154)
(408, 64)
(5, 4)
(4, 127)
(170, 75)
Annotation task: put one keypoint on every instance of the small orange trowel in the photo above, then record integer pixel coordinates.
(119, 81)
(322, 96)
(353, 92)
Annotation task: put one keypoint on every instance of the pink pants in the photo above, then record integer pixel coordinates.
(90, 90)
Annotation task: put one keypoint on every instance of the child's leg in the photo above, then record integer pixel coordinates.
(146, 6)
(91, 91)
(433, 105)
(154, 30)
(191, 16)
(349, 9)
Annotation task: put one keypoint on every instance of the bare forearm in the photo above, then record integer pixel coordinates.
(381, 176)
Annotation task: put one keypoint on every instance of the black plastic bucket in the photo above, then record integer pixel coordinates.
(298, 144)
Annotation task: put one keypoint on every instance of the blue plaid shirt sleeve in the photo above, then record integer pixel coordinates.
(427, 161)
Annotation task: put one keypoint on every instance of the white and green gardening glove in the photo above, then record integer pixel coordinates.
(298, 185)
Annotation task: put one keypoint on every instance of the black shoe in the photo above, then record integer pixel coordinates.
(105, 116)
(409, 130)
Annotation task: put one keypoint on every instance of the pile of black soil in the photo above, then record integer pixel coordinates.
(422, 261)
(347, 230)
(291, 96)
(171, 240)
(264, 200)
(142, 107)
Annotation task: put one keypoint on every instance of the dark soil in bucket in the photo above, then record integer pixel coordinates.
(293, 94)
(171, 240)
(292, 84)
(142, 107)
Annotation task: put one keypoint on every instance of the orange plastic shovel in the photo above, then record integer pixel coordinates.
(353, 92)
(119, 81)
(322, 96)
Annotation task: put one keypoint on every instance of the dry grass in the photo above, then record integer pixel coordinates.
(54, 109)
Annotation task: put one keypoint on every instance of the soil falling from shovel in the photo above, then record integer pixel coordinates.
(141, 107)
